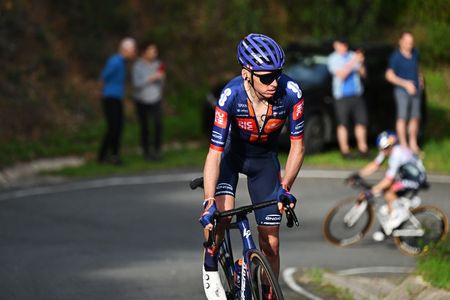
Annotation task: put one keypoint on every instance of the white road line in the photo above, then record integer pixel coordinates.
(293, 285)
(167, 178)
(100, 183)
(371, 270)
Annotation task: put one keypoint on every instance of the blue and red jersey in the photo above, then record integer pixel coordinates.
(236, 126)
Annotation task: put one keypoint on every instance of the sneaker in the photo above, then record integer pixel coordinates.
(348, 156)
(213, 286)
(378, 236)
(397, 217)
(364, 154)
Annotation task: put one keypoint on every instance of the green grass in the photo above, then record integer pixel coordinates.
(315, 275)
(133, 162)
(435, 267)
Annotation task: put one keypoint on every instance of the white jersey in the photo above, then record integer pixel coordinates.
(400, 155)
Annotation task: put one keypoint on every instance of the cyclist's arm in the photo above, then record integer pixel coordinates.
(384, 184)
(395, 80)
(369, 169)
(294, 162)
(211, 172)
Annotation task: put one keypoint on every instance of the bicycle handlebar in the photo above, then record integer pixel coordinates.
(357, 182)
(243, 210)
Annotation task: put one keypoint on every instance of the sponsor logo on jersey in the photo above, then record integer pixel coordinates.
(273, 125)
(273, 218)
(295, 88)
(224, 96)
(216, 135)
(247, 124)
(218, 142)
(299, 126)
(297, 112)
(221, 118)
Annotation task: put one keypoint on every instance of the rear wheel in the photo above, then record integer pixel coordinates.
(431, 220)
(263, 282)
(348, 222)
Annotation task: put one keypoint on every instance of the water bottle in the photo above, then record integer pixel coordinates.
(237, 275)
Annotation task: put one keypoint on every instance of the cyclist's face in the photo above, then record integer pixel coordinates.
(387, 151)
(264, 82)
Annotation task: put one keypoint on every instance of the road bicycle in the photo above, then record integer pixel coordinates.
(349, 221)
(249, 277)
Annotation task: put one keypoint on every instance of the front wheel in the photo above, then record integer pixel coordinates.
(347, 222)
(426, 226)
(263, 282)
(226, 275)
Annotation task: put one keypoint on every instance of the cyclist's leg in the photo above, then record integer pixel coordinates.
(269, 243)
(225, 191)
(263, 182)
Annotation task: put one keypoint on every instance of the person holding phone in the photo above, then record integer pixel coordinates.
(148, 77)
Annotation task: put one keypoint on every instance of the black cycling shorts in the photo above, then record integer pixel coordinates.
(263, 181)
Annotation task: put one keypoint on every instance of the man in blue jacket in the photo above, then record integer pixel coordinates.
(113, 90)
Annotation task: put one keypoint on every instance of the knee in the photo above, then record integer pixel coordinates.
(270, 247)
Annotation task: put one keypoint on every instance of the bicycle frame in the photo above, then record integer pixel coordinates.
(355, 213)
(249, 245)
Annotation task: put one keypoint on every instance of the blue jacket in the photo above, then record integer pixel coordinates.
(113, 76)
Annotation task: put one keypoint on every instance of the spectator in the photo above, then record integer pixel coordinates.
(403, 72)
(113, 89)
(148, 80)
(347, 68)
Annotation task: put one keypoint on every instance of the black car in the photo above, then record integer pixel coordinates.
(307, 64)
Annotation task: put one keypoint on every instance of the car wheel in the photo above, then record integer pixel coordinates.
(314, 134)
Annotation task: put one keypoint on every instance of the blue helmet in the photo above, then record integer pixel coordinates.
(386, 139)
(258, 52)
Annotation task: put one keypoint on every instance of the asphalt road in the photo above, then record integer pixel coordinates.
(139, 238)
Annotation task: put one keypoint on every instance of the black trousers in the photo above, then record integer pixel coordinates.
(145, 112)
(113, 111)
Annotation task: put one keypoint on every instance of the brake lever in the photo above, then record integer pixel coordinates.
(291, 217)
(211, 242)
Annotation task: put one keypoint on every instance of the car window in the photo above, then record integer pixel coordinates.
(309, 71)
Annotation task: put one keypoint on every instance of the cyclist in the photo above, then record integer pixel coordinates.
(405, 172)
(249, 116)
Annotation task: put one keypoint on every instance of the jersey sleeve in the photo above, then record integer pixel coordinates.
(379, 159)
(296, 118)
(222, 120)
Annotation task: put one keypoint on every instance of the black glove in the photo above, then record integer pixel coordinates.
(350, 180)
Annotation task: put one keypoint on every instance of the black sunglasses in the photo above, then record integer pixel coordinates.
(269, 77)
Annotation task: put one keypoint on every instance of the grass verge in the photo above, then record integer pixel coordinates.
(435, 267)
(313, 278)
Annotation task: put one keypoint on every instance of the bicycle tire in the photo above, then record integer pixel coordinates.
(337, 232)
(261, 277)
(226, 275)
(435, 224)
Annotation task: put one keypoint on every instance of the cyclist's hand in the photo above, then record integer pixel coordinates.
(283, 196)
(352, 179)
(367, 194)
(209, 208)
